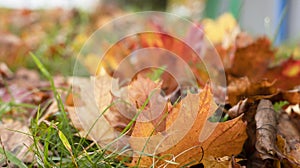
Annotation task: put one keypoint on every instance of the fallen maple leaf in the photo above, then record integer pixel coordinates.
(253, 60)
(192, 113)
(204, 141)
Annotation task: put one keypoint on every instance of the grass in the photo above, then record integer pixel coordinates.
(10, 157)
(60, 147)
(55, 142)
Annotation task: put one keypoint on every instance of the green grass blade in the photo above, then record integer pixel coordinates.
(12, 158)
(64, 125)
(279, 105)
(49, 77)
(157, 73)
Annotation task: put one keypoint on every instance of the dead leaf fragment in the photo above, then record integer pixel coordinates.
(289, 137)
(5, 72)
(292, 96)
(241, 88)
(238, 109)
(89, 107)
(266, 130)
(253, 60)
(237, 88)
(15, 140)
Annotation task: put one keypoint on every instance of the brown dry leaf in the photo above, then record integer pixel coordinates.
(241, 88)
(295, 118)
(262, 89)
(127, 100)
(238, 109)
(91, 97)
(289, 140)
(294, 154)
(288, 130)
(253, 60)
(142, 89)
(227, 54)
(288, 70)
(236, 89)
(14, 139)
(292, 96)
(118, 105)
(224, 162)
(77, 124)
(266, 130)
(225, 140)
(115, 115)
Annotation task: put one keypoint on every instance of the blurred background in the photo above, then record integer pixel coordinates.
(255, 16)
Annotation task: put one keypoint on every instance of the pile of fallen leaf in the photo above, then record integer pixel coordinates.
(262, 105)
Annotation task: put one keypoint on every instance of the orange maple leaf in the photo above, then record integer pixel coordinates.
(204, 141)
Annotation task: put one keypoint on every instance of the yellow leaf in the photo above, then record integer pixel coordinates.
(225, 28)
(65, 141)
